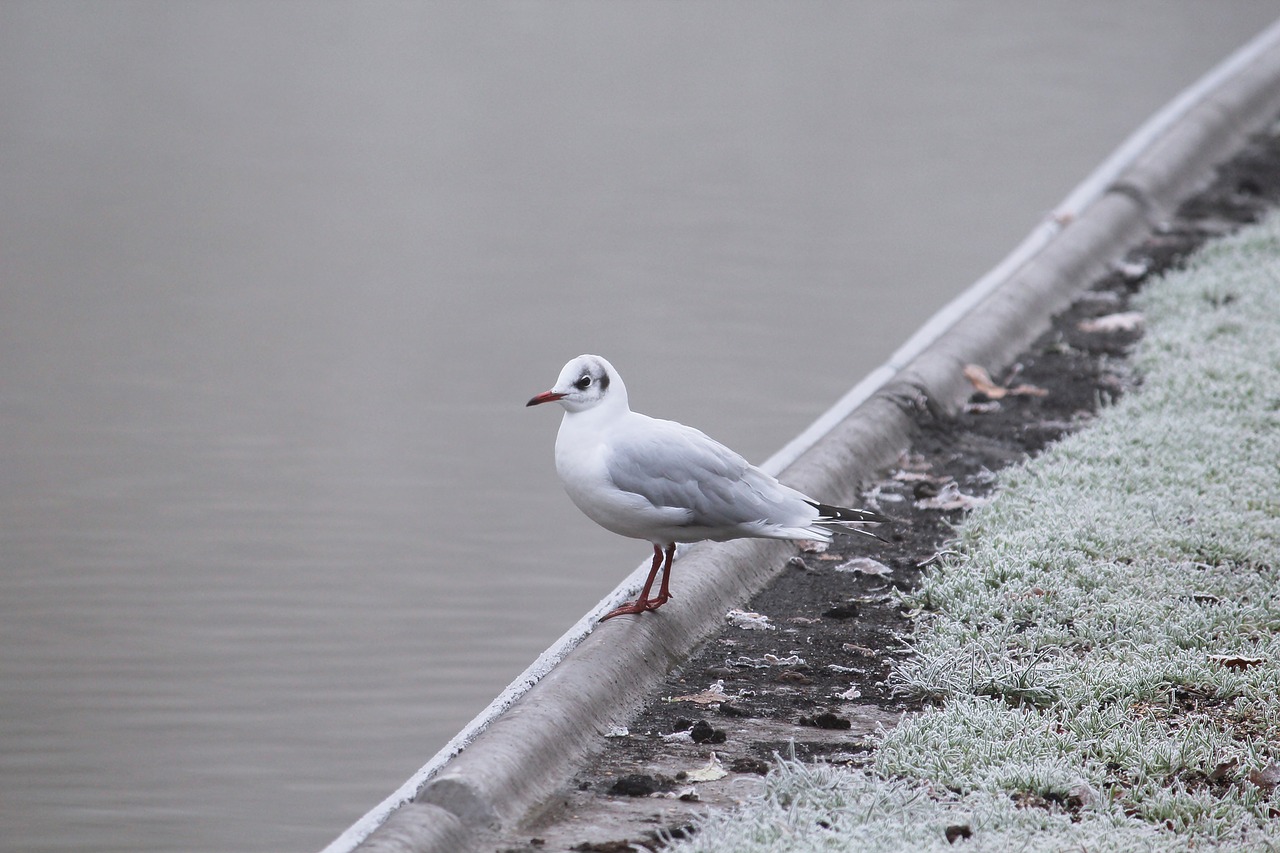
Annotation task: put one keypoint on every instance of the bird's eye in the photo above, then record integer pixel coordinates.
(584, 383)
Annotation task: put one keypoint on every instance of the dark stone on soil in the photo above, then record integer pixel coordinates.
(826, 720)
(639, 785)
(958, 831)
(848, 610)
(925, 489)
(620, 846)
(791, 676)
(702, 732)
(750, 765)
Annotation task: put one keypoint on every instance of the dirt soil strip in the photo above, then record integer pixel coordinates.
(804, 669)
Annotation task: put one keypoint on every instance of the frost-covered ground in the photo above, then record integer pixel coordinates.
(1102, 647)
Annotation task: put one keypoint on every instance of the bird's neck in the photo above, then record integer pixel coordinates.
(597, 417)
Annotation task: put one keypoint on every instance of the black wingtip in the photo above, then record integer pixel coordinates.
(843, 513)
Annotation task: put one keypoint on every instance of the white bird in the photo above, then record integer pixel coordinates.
(665, 482)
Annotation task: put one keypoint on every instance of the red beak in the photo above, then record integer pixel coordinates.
(544, 397)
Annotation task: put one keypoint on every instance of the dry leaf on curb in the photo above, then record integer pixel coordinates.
(711, 696)
(951, 498)
(687, 793)
(905, 476)
(913, 462)
(983, 383)
(1128, 321)
(864, 566)
(712, 771)
(749, 621)
(1132, 270)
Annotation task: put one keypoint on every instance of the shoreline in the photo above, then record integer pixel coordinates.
(810, 679)
(533, 739)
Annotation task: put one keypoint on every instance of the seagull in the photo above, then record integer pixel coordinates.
(665, 482)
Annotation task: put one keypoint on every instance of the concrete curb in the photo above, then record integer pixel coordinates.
(511, 759)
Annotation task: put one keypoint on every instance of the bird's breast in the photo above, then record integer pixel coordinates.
(582, 463)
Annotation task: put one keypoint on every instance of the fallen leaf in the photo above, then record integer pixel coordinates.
(1080, 795)
(913, 462)
(981, 381)
(798, 562)
(747, 663)
(687, 793)
(710, 772)
(1132, 270)
(749, 621)
(984, 384)
(1127, 321)
(1267, 778)
(712, 695)
(1223, 770)
(864, 566)
(950, 497)
(905, 476)
(1236, 661)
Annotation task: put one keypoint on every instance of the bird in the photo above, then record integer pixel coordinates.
(667, 483)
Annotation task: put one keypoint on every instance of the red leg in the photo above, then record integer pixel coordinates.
(644, 603)
(664, 594)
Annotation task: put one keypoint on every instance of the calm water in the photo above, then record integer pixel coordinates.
(277, 278)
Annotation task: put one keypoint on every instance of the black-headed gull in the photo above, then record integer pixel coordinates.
(665, 482)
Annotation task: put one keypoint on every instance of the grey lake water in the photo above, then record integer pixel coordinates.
(277, 278)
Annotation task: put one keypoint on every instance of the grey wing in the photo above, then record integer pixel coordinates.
(673, 466)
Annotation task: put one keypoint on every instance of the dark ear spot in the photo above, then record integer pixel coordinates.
(604, 380)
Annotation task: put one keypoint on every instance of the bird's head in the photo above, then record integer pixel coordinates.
(585, 382)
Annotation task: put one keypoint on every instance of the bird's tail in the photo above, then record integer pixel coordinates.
(843, 515)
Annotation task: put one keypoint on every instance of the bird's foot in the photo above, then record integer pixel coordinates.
(643, 605)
